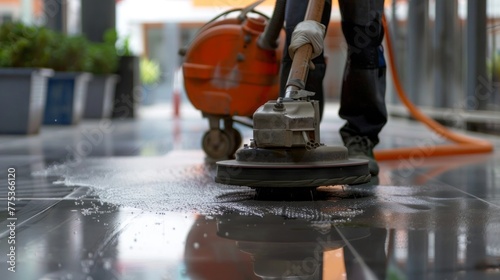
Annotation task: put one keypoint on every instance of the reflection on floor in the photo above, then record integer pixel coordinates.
(135, 199)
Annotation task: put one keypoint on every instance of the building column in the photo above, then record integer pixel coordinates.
(97, 17)
(27, 11)
(447, 53)
(478, 86)
(418, 56)
(54, 14)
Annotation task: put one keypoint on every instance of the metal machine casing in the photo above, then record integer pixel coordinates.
(288, 123)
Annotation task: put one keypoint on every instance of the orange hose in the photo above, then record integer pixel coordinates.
(463, 144)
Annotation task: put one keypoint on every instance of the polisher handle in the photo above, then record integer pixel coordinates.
(300, 64)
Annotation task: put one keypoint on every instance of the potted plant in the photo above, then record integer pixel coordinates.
(125, 100)
(150, 75)
(24, 51)
(150, 72)
(67, 89)
(103, 62)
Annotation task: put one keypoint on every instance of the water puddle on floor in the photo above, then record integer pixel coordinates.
(182, 182)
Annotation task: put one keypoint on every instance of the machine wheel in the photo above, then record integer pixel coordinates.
(217, 144)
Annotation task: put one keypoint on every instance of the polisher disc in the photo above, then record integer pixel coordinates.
(292, 168)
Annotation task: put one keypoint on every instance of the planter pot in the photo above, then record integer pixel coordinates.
(125, 102)
(66, 98)
(100, 96)
(22, 94)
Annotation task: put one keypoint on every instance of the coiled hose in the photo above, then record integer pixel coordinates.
(462, 144)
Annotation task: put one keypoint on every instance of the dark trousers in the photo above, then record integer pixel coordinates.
(362, 101)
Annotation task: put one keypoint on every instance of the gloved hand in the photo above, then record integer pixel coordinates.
(308, 32)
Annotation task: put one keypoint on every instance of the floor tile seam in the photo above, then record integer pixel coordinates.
(459, 190)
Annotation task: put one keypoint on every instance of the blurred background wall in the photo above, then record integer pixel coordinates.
(447, 51)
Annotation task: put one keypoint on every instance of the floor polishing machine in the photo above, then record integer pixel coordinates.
(285, 151)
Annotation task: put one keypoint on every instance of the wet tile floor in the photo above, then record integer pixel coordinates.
(135, 199)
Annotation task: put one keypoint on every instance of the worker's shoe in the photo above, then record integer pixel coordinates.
(362, 148)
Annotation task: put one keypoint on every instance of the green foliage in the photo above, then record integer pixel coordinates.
(150, 71)
(124, 47)
(102, 57)
(39, 47)
(25, 46)
(69, 54)
(493, 66)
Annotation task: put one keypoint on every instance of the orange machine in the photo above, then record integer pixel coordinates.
(227, 73)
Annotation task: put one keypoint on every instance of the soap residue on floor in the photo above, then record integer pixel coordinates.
(183, 182)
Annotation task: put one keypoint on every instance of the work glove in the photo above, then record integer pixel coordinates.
(308, 32)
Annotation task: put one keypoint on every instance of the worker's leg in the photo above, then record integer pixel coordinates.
(294, 14)
(362, 102)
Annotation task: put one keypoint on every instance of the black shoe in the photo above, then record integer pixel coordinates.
(361, 147)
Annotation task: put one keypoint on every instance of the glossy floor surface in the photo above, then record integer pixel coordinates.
(135, 199)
